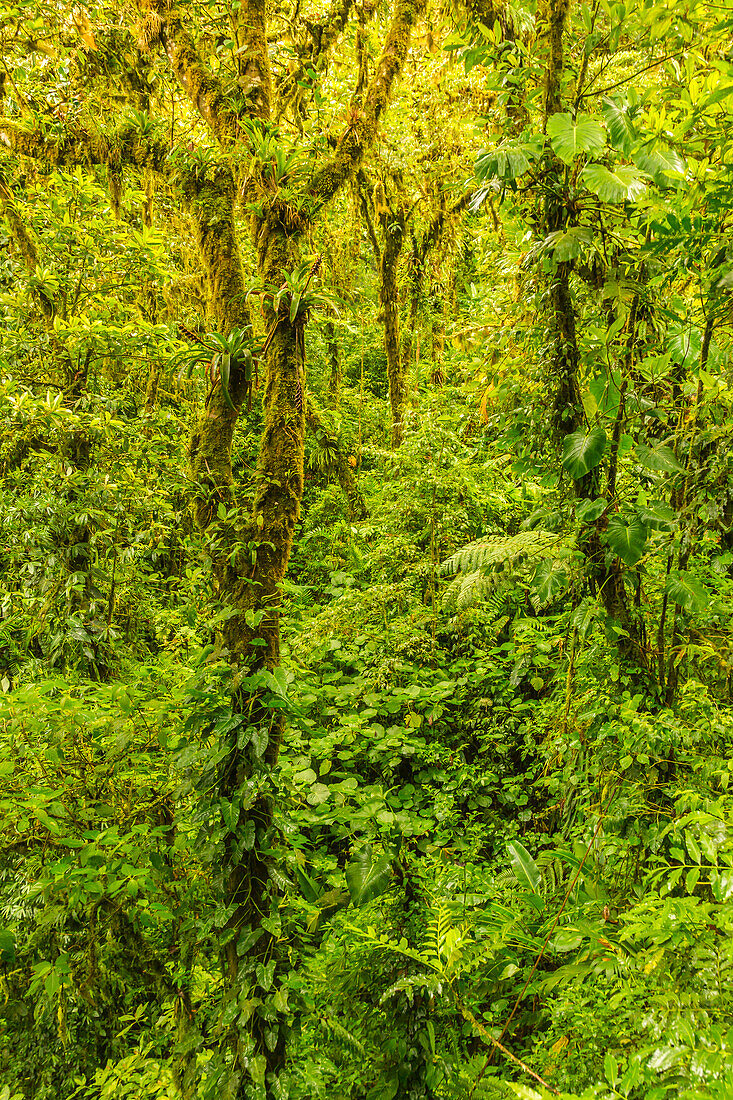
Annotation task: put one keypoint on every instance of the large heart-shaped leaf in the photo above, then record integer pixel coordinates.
(524, 867)
(660, 459)
(688, 592)
(627, 538)
(571, 138)
(366, 876)
(624, 184)
(582, 451)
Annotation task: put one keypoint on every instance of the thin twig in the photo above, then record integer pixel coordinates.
(471, 1019)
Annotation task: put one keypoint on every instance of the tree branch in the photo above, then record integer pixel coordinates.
(75, 144)
(314, 53)
(361, 132)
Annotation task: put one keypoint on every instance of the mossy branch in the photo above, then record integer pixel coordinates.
(362, 130)
(73, 144)
(201, 86)
(314, 52)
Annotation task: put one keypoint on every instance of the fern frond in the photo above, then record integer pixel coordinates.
(408, 985)
(318, 533)
(481, 569)
(468, 589)
(339, 1032)
(474, 1083)
(501, 550)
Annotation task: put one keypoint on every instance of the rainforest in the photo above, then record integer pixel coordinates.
(366, 550)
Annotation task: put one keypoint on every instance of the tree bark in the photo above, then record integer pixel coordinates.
(393, 224)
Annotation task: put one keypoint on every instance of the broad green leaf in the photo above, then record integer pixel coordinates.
(722, 884)
(367, 877)
(318, 794)
(692, 846)
(626, 536)
(571, 138)
(716, 97)
(524, 867)
(664, 165)
(589, 510)
(684, 344)
(583, 451)
(308, 887)
(508, 160)
(622, 185)
(606, 389)
(687, 591)
(619, 125)
(570, 244)
(548, 582)
(657, 515)
(660, 459)
(229, 813)
(610, 1068)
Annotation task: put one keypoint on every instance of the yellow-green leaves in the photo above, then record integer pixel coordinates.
(623, 184)
(570, 137)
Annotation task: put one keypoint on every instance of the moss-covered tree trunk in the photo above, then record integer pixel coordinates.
(392, 221)
(249, 557)
(564, 356)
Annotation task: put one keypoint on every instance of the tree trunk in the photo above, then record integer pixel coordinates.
(334, 358)
(394, 225)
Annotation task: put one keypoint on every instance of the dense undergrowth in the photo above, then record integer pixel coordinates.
(417, 316)
(496, 849)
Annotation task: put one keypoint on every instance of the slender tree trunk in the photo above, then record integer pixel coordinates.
(394, 232)
(334, 359)
(682, 503)
(346, 479)
(567, 408)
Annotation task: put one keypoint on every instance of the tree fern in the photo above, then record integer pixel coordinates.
(479, 567)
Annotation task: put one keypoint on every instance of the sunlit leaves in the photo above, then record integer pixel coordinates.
(620, 127)
(570, 244)
(508, 160)
(664, 165)
(569, 138)
(623, 184)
